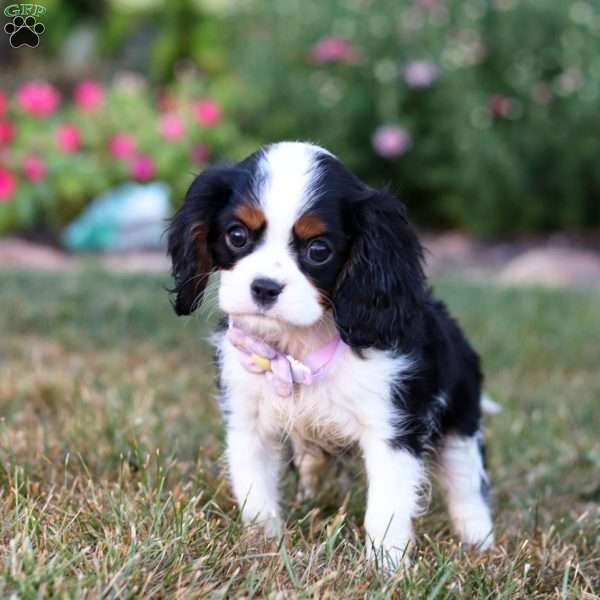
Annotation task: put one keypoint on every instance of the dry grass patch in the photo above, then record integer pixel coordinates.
(112, 486)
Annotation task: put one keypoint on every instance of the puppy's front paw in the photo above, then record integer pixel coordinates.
(270, 523)
(475, 530)
(272, 527)
(389, 558)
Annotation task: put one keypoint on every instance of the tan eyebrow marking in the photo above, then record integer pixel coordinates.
(252, 216)
(309, 226)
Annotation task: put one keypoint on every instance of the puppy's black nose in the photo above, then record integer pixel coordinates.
(265, 291)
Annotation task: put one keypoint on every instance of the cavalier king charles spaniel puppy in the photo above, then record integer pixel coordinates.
(332, 339)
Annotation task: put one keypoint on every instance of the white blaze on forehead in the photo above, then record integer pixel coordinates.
(289, 179)
(286, 185)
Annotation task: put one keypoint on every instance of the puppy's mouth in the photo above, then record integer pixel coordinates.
(255, 316)
(261, 324)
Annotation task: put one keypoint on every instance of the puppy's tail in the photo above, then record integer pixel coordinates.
(488, 406)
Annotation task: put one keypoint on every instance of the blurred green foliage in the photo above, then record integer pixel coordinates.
(504, 139)
(59, 159)
(492, 102)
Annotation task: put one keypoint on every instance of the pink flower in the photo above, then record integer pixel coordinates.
(500, 106)
(391, 140)
(121, 145)
(38, 98)
(420, 73)
(8, 184)
(334, 49)
(207, 111)
(200, 153)
(68, 138)
(2, 103)
(171, 126)
(7, 132)
(142, 167)
(88, 94)
(34, 167)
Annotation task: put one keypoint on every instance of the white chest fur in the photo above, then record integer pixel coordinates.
(351, 399)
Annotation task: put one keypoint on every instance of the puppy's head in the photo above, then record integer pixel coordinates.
(295, 235)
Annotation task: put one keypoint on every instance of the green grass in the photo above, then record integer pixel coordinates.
(112, 485)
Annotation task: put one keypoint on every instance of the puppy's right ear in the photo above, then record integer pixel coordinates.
(189, 238)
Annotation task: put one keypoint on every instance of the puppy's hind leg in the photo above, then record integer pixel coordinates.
(466, 487)
(310, 461)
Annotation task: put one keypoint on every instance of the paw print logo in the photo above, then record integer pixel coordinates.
(24, 32)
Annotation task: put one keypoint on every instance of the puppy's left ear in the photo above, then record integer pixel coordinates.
(189, 237)
(380, 293)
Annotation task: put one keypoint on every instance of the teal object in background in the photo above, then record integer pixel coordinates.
(129, 217)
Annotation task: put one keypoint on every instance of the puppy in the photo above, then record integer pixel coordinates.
(332, 339)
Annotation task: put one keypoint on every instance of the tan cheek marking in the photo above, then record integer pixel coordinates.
(309, 226)
(251, 216)
(324, 300)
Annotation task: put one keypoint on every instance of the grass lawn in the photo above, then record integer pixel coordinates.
(112, 485)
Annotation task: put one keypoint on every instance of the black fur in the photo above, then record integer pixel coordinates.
(189, 238)
(195, 242)
(380, 292)
(443, 393)
(374, 284)
(381, 301)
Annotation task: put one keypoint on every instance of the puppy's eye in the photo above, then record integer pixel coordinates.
(318, 252)
(237, 236)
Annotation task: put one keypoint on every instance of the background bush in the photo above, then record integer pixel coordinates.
(66, 148)
(481, 114)
(504, 137)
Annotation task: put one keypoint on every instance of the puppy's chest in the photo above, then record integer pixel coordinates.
(323, 414)
(354, 395)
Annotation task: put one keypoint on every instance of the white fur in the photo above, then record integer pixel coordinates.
(254, 464)
(287, 180)
(350, 404)
(395, 479)
(461, 473)
(352, 397)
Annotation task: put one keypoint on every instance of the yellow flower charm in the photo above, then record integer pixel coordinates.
(261, 361)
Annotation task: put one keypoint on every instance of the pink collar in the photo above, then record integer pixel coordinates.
(282, 370)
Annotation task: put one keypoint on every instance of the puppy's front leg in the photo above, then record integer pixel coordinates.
(395, 477)
(254, 470)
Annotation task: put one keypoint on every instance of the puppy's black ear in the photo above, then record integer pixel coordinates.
(189, 238)
(380, 292)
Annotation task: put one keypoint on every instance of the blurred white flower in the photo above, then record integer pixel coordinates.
(129, 82)
(421, 73)
(464, 49)
(391, 140)
(569, 81)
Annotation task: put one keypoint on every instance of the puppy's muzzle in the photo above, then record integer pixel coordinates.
(265, 291)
